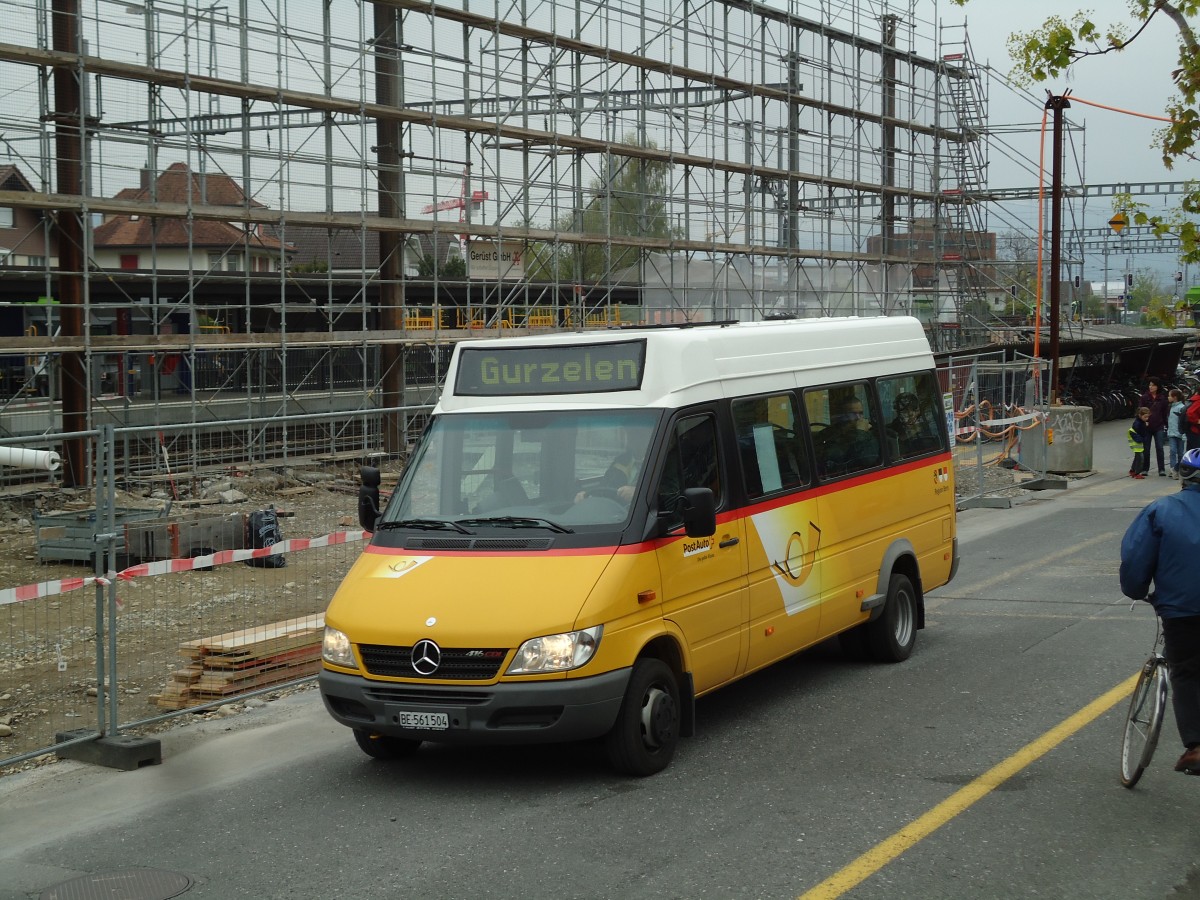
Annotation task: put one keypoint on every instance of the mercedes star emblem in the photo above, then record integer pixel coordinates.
(426, 657)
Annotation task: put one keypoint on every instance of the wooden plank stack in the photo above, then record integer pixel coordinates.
(226, 665)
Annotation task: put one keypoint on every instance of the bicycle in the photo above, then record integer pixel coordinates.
(1147, 706)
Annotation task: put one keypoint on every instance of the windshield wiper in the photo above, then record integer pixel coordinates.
(519, 522)
(424, 524)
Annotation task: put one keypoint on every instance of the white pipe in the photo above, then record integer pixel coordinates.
(24, 458)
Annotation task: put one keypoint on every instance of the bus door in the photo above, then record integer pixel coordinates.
(784, 535)
(704, 580)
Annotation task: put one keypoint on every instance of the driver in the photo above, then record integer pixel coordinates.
(618, 478)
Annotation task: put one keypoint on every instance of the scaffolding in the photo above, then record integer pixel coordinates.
(316, 194)
(966, 246)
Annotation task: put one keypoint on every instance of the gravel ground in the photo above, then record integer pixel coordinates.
(48, 680)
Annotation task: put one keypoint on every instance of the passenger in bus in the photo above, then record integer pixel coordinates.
(849, 442)
(911, 432)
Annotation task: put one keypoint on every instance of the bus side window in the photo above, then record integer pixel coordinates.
(851, 441)
(769, 444)
(915, 414)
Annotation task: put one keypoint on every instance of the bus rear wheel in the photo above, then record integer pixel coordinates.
(643, 739)
(891, 637)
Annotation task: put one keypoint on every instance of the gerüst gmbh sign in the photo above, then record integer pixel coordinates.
(496, 260)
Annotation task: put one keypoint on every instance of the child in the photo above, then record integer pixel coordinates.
(1139, 434)
(1176, 422)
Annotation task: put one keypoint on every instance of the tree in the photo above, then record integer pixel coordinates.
(453, 267)
(1095, 306)
(627, 199)
(1048, 51)
(1149, 294)
(1016, 255)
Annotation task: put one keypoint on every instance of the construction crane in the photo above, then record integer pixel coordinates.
(462, 203)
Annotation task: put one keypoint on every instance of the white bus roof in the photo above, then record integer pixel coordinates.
(679, 365)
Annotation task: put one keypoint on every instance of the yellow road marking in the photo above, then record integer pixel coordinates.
(961, 800)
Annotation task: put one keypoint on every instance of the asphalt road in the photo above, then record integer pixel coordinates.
(983, 767)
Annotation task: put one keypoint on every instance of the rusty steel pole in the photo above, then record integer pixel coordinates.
(70, 132)
(1056, 104)
(391, 246)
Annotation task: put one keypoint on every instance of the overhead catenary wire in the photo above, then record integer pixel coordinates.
(1124, 112)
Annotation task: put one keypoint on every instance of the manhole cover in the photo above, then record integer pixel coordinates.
(130, 884)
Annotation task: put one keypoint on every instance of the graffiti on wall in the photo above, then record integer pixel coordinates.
(1067, 425)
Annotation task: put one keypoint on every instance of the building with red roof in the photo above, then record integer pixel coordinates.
(143, 243)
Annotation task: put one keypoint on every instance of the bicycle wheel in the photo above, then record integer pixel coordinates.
(1144, 720)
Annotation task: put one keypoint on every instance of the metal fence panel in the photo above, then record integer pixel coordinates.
(50, 610)
(156, 594)
(996, 403)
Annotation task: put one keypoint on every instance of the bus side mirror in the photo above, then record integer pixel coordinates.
(699, 509)
(368, 497)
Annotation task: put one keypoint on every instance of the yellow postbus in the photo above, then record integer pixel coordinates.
(596, 529)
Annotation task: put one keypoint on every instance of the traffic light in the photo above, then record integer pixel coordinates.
(1178, 277)
(1129, 279)
(1078, 281)
(1012, 289)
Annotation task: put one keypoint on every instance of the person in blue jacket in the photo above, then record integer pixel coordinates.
(1161, 548)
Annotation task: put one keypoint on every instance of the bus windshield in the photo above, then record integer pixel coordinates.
(575, 468)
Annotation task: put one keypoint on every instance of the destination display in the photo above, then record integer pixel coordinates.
(577, 369)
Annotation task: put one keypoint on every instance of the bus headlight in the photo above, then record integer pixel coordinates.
(336, 649)
(556, 652)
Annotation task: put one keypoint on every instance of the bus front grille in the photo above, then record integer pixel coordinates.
(466, 664)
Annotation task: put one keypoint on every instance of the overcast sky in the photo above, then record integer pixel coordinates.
(1136, 79)
(1115, 148)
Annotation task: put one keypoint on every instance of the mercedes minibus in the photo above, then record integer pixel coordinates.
(598, 528)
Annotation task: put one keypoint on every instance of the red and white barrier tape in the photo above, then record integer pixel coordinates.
(167, 566)
(50, 588)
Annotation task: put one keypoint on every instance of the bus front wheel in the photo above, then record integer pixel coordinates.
(891, 637)
(380, 746)
(643, 739)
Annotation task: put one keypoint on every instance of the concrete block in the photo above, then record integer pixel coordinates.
(116, 751)
(1062, 443)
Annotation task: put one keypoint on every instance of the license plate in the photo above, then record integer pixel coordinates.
(426, 721)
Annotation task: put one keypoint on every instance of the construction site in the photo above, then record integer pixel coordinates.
(238, 243)
(240, 213)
